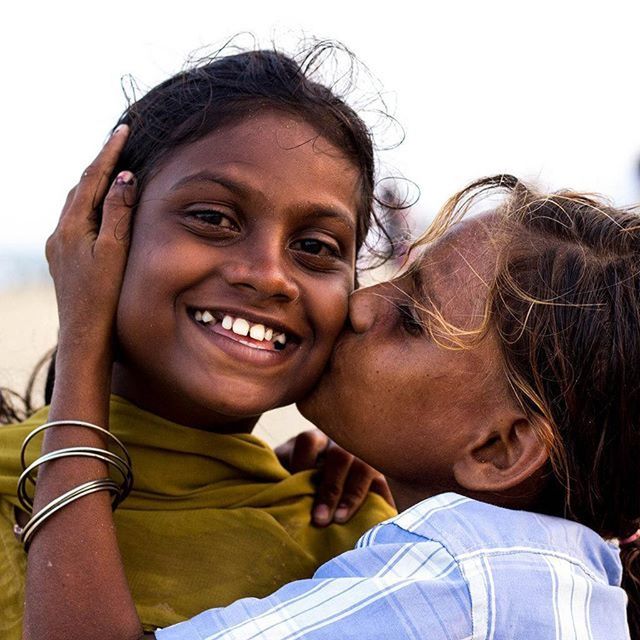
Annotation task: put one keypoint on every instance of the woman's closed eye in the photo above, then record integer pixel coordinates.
(409, 318)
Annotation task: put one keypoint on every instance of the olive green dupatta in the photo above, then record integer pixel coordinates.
(212, 518)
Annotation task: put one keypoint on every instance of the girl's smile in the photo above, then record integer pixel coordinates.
(256, 341)
(241, 261)
(255, 334)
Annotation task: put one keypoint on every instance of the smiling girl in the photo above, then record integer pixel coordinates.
(253, 194)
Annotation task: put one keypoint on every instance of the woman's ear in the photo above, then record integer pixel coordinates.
(502, 457)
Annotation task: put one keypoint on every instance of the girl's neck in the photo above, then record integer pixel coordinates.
(174, 407)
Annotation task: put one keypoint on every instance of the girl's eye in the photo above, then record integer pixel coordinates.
(213, 218)
(410, 321)
(316, 248)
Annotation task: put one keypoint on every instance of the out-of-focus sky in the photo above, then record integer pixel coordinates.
(548, 90)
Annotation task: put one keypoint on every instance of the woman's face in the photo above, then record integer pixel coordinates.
(394, 396)
(241, 262)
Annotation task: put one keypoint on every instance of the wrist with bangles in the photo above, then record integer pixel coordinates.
(119, 490)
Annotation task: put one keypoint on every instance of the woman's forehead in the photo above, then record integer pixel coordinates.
(455, 272)
(467, 250)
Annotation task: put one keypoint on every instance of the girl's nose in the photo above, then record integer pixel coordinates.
(265, 272)
(365, 306)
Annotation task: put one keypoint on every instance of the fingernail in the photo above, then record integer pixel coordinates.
(118, 129)
(341, 514)
(321, 513)
(125, 177)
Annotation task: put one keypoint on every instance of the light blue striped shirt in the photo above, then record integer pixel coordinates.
(449, 568)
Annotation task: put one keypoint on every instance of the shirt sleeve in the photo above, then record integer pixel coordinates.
(411, 594)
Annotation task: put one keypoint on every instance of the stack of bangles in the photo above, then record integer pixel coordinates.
(119, 490)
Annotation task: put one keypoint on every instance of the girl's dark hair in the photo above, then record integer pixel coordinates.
(14, 407)
(565, 304)
(222, 89)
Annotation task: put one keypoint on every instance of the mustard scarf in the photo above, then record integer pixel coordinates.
(212, 518)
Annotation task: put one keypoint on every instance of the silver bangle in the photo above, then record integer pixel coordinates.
(110, 458)
(104, 484)
(119, 491)
(72, 423)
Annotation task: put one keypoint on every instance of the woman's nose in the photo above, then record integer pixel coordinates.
(365, 305)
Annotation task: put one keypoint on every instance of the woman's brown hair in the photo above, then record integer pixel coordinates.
(565, 303)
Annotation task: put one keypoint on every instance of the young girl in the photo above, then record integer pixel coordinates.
(496, 384)
(253, 190)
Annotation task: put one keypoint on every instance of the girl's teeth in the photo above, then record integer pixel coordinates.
(280, 341)
(240, 326)
(257, 332)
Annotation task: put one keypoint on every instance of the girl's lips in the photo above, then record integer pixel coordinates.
(268, 326)
(243, 347)
(248, 341)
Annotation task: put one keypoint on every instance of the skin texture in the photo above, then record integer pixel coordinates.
(440, 419)
(345, 480)
(255, 220)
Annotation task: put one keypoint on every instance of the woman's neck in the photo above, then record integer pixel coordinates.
(407, 494)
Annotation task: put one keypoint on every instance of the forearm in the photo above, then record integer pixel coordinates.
(76, 585)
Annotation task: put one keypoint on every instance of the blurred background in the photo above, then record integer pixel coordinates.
(548, 91)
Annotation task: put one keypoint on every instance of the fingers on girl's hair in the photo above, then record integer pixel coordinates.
(95, 178)
(116, 211)
(334, 473)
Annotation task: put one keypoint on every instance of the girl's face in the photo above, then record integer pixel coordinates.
(394, 396)
(241, 262)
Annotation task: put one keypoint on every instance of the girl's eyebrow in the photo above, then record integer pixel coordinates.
(240, 188)
(208, 176)
(334, 214)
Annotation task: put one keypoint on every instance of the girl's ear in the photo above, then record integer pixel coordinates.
(502, 458)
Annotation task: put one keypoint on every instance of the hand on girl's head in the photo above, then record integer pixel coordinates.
(87, 252)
